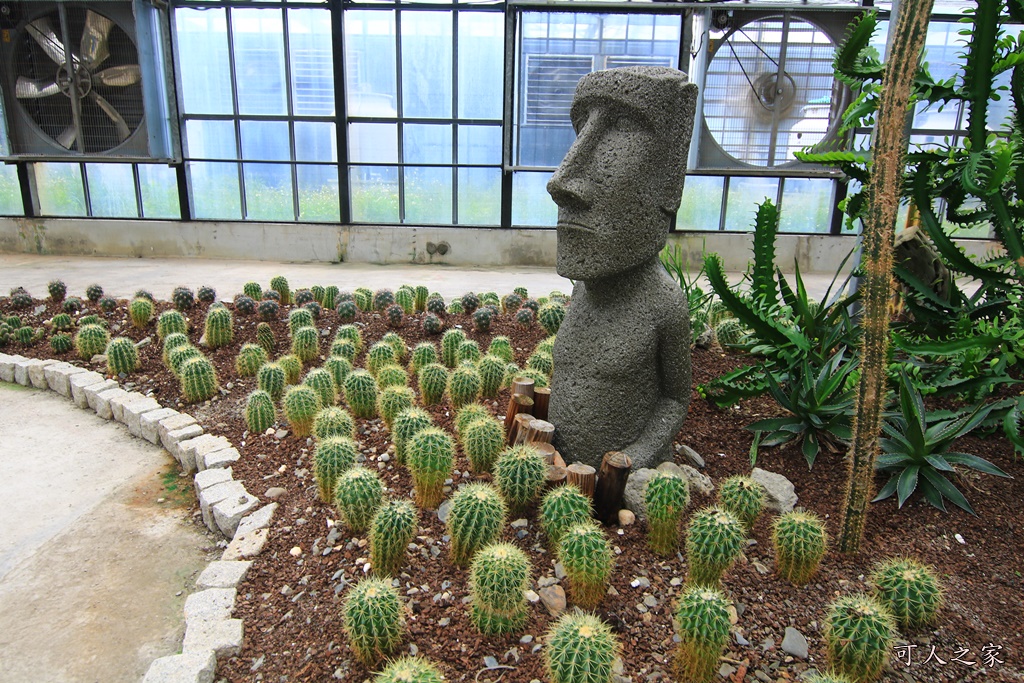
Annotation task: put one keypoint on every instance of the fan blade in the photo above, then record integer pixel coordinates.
(67, 138)
(94, 39)
(122, 128)
(28, 89)
(129, 74)
(43, 33)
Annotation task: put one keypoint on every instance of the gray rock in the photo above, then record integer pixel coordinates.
(443, 510)
(698, 481)
(102, 404)
(780, 494)
(191, 667)
(211, 604)
(221, 574)
(149, 423)
(553, 598)
(80, 382)
(7, 366)
(794, 643)
(225, 637)
(229, 512)
(633, 495)
(208, 478)
(705, 339)
(275, 492)
(258, 520)
(246, 547)
(692, 456)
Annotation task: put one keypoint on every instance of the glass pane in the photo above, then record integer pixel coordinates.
(531, 203)
(479, 144)
(10, 192)
(203, 66)
(374, 191)
(427, 64)
(112, 190)
(211, 140)
(60, 189)
(318, 193)
(943, 49)
(259, 61)
(370, 70)
(701, 207)
(806, 205)
(315, 142)
(215, 191)
(427, 143)
(312, 61)
(159, 186)
(479, 196)
(268, 192)
(373, 142)
(744, 196)
(265, 140)
(481, 64)
(428, 195)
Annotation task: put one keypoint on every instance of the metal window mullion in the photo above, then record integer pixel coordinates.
(290, 109)
(140, 211)
(507, 114)
(181, 174)
(85, 189)
(455, 112)
(340, 109)
(401, 114)
(29, 195)
(725, 203)
(234, 104)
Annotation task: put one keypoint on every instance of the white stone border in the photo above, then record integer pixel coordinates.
(227, 508)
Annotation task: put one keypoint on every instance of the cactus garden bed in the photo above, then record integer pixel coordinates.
(292, 599)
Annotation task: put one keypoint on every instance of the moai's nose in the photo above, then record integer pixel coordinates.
(570, 183)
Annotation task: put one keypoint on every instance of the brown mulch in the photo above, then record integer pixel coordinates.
(292, 604)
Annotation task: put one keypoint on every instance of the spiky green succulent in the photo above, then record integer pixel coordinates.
(249, 360)
(405, 299)
(347, 311)
(345, 348)
(475, 520)
(360, 391)
(482, 318)
(391, 531)
(363, 297)
(482, 442)
(301, 297)
(301, 403)
(501, 347)
(334, 421)
(392, 400)
(729, 331)
(561, 508)
(265, 337)
(181, 355)
(540, 380)
(122, 356)
(510, 303)
(743, 497)
(268, 310)
(379, 355)
(306, 344)
(300, 317)
(463, 386)
(586, 554)
(550, 316)
(498, 579)
(451, 341)
(392, 375)
(183, 298)
(405, 426)
(171, 342)
(23, 335)
(432, 324)
(511, 372)
(541, 362)
(292, 367)
(436, 306)
(198, 379)
(272, 379)
(492, 375)
(423, 354)
(358, 493)
(350, 333)
(373, 621)
(169, 322)
(519, 474)
(333, 456)
(94, 293)
(910, 589)
(61, 343)
(859, 634)
(546, 345)
(260, 413)
(330, 297)
(410, 669)
(61, 322)
(469, 413)
(140, 311)
(433, 382)
(57, 289)
(383, 298)
(702, 622)
(206, 294)
(800, 542)
(665, 497)
(580, 648)
(525, 317)
(430, 455)
(339, 367)
(469, 350)
(279, 284)
(91, 340)
(253, 290)
(323, 384)
(713, 542)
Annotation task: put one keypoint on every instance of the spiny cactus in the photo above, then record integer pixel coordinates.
(859, 634)
(729, 331)
(360, 391)
(391, 531)
(430, 455)
(301, 403)
(542, 362)
(546, 345)
(301, 297)
(510, 303)
(482, 319)
(713, 543)
(179, 355)
(665, 497)
(198, 379)
(406, 300)
(475, 520)
(143, 294)
(463, 386)
(372, 616)
(469, 350)
(219, 327)
(580, 648)
(107, 304)
(350, 333)
(586, 554)
(379, 355)
(268, 310)
(91, 319)
(62, 322)
(300, 317)
(357, 495)
(280, 285)
(482, 441)
(272, 379)
(433, 381)
(910, 590)
(122, 356)
(183, 298)
(170, 322)
(20, 299)
(271, 295)
(398, 345)
(265, 337)
(469, 413)
(525, 317)
(260, 413)
(306, 344)
(391, 401)
(347, 311)
(520, 474)
(94, 293)
(492, 375)
(451, 341)
(562, 508)
(249, 360)
(332, 456)
(171, 342)
(392, 376)
(61, 343)
(23, 335)
(383, 298)
(501, 346)
(436, 306)
(420, 295)
(550, 316)
(743, 497)
(702, 622)
(406, 424)
(540, 380)
(245, 305)
(72, 305)
(343, 348)
(57, 290)
(425, 353)
(490, 299)
(323, 384)
(498, 579)
(339, 367)
(206, 294)
(800, 542)
(409, 670)
(363, 298)
(431, 324)
(334, 421)
(140, 311)
(253, 290)
(91, 340)
(470, 302)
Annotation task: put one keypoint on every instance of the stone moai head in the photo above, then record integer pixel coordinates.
(621, 181)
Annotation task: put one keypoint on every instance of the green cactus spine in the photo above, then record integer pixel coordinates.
(800, 542)
(587, 556)
(171, 342)
(271, 378)
(665, 497)
(122, 356)
(300, 317)
(392, 376)
(511, 372)
(306, 344)
(140, 311)
(363, 298)
(469, 350)
(253, 290)
(482, 442)
(420, 295)
(492, 374)
(409, 670)
(433, 381)
(331, 293)
(451, 341)
(372, 616)
(482, 319)
(24, 335)
(361, 393)
(60, 343)
(435, 306)
(510, 303)
(339, 367)
(859, 634)
(265, 337)
(280, 285)
(219, 327)
(729, 331)
(334, 421)
(292, 367)
(183, 298)
(260, 414)
(546, 345)
(425, 353)
(501, 347)
(550, 316)
(332, 456)
(91, 340)
(347, 311)
(198, 379)
(910, 590)
(430, 455)
(475, 520)
(398, 345)
(206, 294)
(350, 333)
(72, 305)
(743, 497)
(94, 293)
(561, 508)
(268, 310)
(541, 362)
(580, 649)
(62, 322)
(498, 579)
(464, 386)
(469, 413)
(383, 298)
(391, 401)
(405, 426)
(344, 348)
(406, 299)
(525, 317)
(301, 403)
(57, 290)
(249, 360)
(323, 384)
(180, 355)
(702, 621)
(391, 531)
(379, 355)
(540, 380)
(713, 543)
(170, 322)
(357, 495)
(520, 474)
(431, 324)
(301, 297)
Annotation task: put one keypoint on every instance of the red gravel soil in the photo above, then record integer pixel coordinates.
(291, 600)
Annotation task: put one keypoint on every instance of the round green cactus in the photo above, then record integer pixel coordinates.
(171, 342)
(334, 421)
(525, 317)
(743, 497)
(398, 345)
(665, 497)
(306, 344)
(333, 456)
(271, 378)
(406, 300)
(249, 360)
(713, 542)
(541, 362)
(475, 520)
(265, 337)
(361, 393)
(62, 322)
(430, 455)
(405, 426)
(72, 305)
(550, 316)
(298, 318)
(372, 616)
(198, 379)
(540, 380)
(244, 305)
(828, 677)
(260, 413)
(729, 331)
(469, 350)
(482, 319)
(435, 304)
(279, 284)
(253, 290)
(344, 348)
(586, 554)
(330, 298)
(561, 508)
(463, 386)
(24, 335)
(498, 579)
(580, 649)
(350, 333)
(379, 355)
(392, 376)
(61, 343)
(520, 474)
(268, 310)
(91, 340)
(357, 495)
(183, 298)
(451, 341)
(433, 381)
(469, 413)
(363, 297)
(322, 382)
(424, 354)
(800, 542)
(122, 356)
(510, 303)
(339, 367)
(482, 442)
(94, 292)
(859, 634)
(383, 298)
(391, 401)
(492, 375)
(910, 590)
(546, 345)
(180, 355)
(391, 531)
(347, 311)
(292, 367)
(57, 289)
(170, 322)
(140, 311)
(301, 403)
(432, 324)
(511, 372)
(301, 297)
(702, 621)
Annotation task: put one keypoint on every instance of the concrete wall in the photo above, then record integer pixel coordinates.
(297, 242)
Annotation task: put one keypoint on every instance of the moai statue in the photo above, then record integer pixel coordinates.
(622, 356)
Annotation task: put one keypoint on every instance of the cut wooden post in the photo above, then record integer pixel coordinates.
(556, 476)
(611, 484)
(547, 451)
(584, 476)
(517, 404)
(521, 428)
(541, 396)
(559, 461)
(522, 385)
(540, 431)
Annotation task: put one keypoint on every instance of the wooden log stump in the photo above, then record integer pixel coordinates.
(521, 428)
(523, 386)
(584, 476)
(611, 484)
(516, 405)
(541, 397)
(556, 477)
(539, 431)
(547, 451)
(559, 461)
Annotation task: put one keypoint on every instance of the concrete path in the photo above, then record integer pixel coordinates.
(93, 570)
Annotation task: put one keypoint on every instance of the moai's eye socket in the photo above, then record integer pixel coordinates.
(627, 124)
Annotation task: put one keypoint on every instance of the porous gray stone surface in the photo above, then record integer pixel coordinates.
(246, 546)
(190, 667)
(223, 636)
(132, 412)
(211, 604)
(82, 381)
(102, 403)
(37, 373)
(218, 459)
(21, 371)
(58, 377)
(780, 496)
(210, 496)
(173, 423)
(194, 451)
(149, 423)
(207, 478)
(622, 355)
(223, 574)
(173, 442)
(7, 363)
(118, 403)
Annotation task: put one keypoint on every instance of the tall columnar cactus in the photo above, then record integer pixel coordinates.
(800, 542)
(520, 474)
(501, 347)
(344, 348)
(91, 340)
(301, 403)
(347, 311)
(391, 401)
(498, 579)
(279, 284)
(436, 306)
(398, 345)
(433, 381)
(334, 421)
(350, 333)
(475, 520)
(420, 296)
(425, 353)
(306, 344)
(392, 376)
(357, 494)
(265, 337)
(94, 293)
(323, 384)
(550, 316)
(580, 648)
(430, 454)
(170, 322)
(910, 590)
(859, 634)
(561, 508)
(140, 311)
(713, 543)
(300, 317)
(405, 426)
(122, 356)
(332, 457)
(469, 351)
(391, 531)
(249, 360)
(743, 497)
(181, 355)
(463, 386)
(331, 293)
(450, 343)
(271, 378)
(665, 497)
(492, 374)
(406, 300)
(379, 355)
(587, 556)
(260, 413)
(702, 621)
(198, 379)
(482, 442)
(361, 393)
(183, 298)
(372, 616)
(219, 327)
(363, 297)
